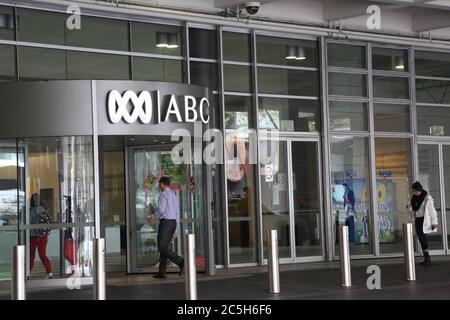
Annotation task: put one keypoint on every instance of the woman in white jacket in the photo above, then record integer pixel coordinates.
(425, 214)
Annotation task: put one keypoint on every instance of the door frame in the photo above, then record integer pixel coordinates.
(289, 138)
(443, 217)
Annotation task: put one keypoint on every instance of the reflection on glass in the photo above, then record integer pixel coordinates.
(389, 59)
(288, 82)
(204, 74)
(236, 46)
(113, 209)
(286, 52)
(391, 117)
(155, 38)
(432, 64)
(433, 91)
(236, 78)
(349, 56)
(150, 69)
(393, 168)
(430, 180)
(306, 196)
(84, 65)
(7, 63)
(348, 116)
(6, 23)
(343, 84)
(10, 167)
(240, 175)
(202, 43)
(433, 121)
(390, 87)
(446, 165)
(351, 199)
(61, 188)
(275, 195)
(289, 114)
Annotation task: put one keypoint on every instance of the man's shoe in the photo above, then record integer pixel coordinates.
(427, 259)
(181, 266)
(160, 276)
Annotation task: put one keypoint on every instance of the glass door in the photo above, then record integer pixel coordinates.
(291, 197)
(147, 165)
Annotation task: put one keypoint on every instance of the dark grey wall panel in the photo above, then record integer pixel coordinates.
(45, 108)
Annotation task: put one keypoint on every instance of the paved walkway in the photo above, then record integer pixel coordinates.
(306, 281)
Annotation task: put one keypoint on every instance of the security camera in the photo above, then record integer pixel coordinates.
(252, 7)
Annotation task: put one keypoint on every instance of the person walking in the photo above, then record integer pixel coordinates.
(168, 213)
(39, 237)
(426, 220)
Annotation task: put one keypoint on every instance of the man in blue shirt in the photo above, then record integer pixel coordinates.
(168, 213)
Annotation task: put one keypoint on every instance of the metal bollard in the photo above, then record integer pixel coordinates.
(346, 275)
(191, 270)
(274, 269)
(99, 269)
(408, 239)
(18, 273)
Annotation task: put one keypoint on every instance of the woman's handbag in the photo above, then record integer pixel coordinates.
(44, 219)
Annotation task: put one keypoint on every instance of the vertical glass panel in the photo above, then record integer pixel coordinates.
(11, 164)
(348, 116)
(6, 23)
(286, 52)
(42, 64)
(433, 91)
(306, 199)
(61, 190)
(390, 87)
(236, 46)
(158, 39)
(289, 114)
(348, 56)
(204, 74)
(393, 168)
(434, 121)
(275, 195)
(237, 78)
(100, 33)
(432, 64)
(430, 179)
(41, 26)
(84, 65)
(345, 84)
(389, 59)
(391, 117)
(202, 43)
(240, 177)
(7, 63)
(157, 69)
(446, 165)
(351, 201)
(113, 205)
(288, 82)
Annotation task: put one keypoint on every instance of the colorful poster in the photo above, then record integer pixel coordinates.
(175, 172)
(350, 198)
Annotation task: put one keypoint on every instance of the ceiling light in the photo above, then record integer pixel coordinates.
(162, 40)
(399, 63)
(291, 53)
(300, 53)
(172, 41)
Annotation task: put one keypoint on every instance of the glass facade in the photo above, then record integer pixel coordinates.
(261, 82)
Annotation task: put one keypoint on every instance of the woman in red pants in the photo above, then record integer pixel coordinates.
(39, 237)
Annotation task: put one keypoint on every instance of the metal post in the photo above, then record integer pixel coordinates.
(409, 252)
(346, 275)
(99, 269)
(274, 269)
(18, 273)
(191, 272)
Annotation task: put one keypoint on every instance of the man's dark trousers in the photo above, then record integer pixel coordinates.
(165, 233)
